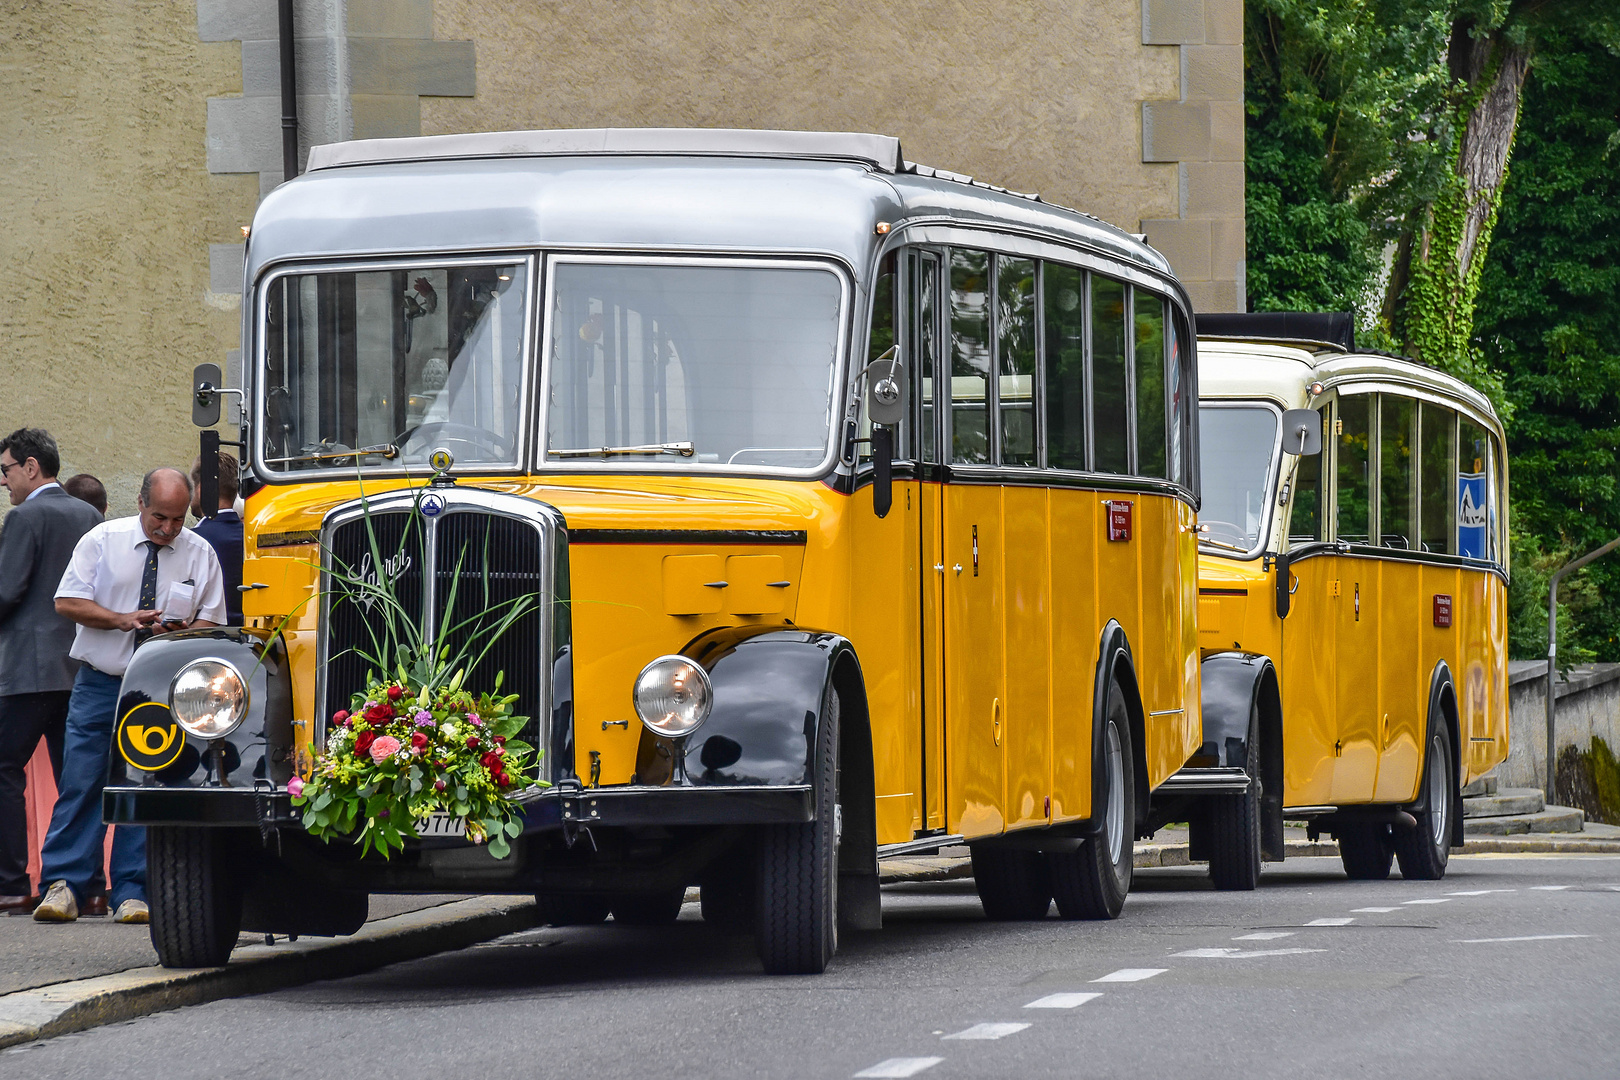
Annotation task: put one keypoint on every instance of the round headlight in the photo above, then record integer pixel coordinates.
(209, 698)
(673, 696)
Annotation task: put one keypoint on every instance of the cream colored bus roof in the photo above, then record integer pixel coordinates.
(1242, 369)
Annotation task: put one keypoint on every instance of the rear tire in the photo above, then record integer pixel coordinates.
(571, 909)
(1423, 852)
(796, 906)
(1012, 885)
(649, 909)
(1234, 825)
(1093, 881)
(195, 894)
(1366, 851)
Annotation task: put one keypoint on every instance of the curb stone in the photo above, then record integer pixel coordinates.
(47, 1011)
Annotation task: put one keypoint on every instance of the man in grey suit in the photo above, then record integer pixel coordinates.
(36, 674)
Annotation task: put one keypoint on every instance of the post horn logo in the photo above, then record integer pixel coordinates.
(148, 737)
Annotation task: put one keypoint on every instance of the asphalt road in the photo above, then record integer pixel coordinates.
(1508, 968)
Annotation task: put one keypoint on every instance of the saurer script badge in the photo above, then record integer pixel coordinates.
(148, 737)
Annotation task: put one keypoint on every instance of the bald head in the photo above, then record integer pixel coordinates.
(165, 498)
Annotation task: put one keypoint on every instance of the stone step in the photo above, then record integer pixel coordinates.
(1485, 785)
(1554, 819)
(1504, 802)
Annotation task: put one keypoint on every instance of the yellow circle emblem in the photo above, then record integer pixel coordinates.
(148, 737)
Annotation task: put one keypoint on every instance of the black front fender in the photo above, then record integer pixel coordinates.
(1232, 684)
(151, 750)
(768, 689)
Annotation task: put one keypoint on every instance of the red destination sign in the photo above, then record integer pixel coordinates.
(1119, 519)
(1442, 610)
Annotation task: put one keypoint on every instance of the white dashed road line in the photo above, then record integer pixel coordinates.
(988, 1031)
(1269, 935)
(1551, 888)
(1241, 954)
(1426, 900)
(1330, 922)
(1061, 1001)
(1376, 910)
(1530, 937)
(899, 1067)
(1479, 892)
(1131, 975)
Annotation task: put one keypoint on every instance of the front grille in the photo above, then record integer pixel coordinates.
(480, 563)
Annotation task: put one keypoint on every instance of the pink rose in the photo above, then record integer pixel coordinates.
(383, 747)
(295, 786)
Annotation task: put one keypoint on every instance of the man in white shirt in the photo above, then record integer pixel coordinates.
(127, 579)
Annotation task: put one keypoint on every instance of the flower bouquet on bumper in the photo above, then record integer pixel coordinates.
(419, 749)
(400, 755)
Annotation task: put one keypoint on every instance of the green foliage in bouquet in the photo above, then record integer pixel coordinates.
(401, 753)
(415, 743)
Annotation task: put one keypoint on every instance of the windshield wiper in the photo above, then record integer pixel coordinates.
(680, 449)
(1223, 544)
(387, 450)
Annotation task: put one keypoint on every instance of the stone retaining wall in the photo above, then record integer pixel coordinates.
(1588, 704)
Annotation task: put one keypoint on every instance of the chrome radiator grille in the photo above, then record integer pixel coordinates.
(475, 554)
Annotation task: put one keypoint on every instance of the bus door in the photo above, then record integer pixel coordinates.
(926, 331)
(971, 552)
(1356, 697)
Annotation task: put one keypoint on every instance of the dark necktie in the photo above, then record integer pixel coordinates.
(148, 588)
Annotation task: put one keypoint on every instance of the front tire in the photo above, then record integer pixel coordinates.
(196, 896)
(1423, 852)
(796, 906)
(1093, 881)
(1234, 820)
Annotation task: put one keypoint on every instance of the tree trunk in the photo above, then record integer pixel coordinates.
(1487, 135)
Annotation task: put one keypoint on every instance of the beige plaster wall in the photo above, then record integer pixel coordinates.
(108, 213)
(1037, 95)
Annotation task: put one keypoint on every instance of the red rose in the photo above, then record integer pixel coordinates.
(439, 785)
(419, 741)
(341, 718)
(472, 742)
(381, 712)
(491, 761)
(363, 741)
(500, 740)
(502, 781)
(395, 693)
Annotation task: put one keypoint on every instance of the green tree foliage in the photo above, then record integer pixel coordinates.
(1549, 319)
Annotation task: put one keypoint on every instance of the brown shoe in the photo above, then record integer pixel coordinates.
(20, 905)
(95, 906)
(59, 904)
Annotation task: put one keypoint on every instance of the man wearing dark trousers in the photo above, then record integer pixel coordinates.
(127, 578)
(223, 531)
(36, 673)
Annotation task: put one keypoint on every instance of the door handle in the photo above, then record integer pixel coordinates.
(958, 568)
(939, 567)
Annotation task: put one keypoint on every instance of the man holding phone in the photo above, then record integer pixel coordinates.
(128, 579)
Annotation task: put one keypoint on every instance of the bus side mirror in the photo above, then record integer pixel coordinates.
(205, 384)
(885, 408)
(1302, 432)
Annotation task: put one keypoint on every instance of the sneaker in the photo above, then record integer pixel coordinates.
(59, 904)
(132, 911)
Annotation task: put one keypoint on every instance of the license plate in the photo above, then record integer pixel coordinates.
(442, 825)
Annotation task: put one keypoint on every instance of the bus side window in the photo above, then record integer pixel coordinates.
(970, 357)
(1110, 399)
(1181, 463)
(1148, 313)
(1353, 483)
(925, 331)
(1396, 488)
(884, 334)
(1473, 495)
(1437, 436)
(1305, 521)
(1015, 358)
(1063, 292)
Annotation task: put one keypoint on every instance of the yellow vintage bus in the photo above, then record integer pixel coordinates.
(898, 467)
(1352, 596)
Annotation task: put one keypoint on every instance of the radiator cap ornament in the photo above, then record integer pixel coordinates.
(441, 459)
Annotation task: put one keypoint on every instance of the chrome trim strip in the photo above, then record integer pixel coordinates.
(916, 847)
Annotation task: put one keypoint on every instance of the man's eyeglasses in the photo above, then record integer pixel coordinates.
(5, 468)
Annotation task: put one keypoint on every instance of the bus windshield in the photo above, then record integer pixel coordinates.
(1239, 449)
(376, 368)
(670, 365)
